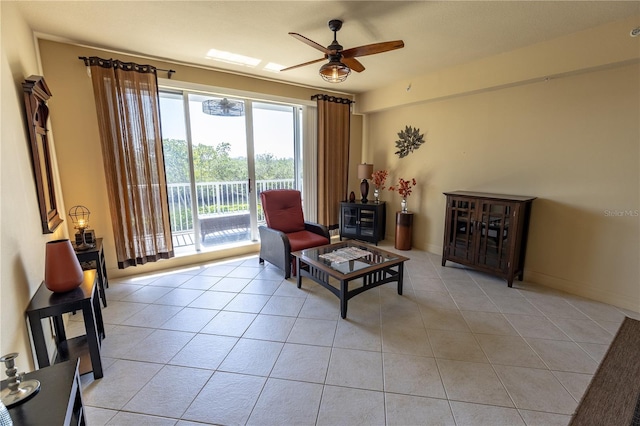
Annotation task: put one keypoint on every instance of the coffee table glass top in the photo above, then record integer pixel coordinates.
(349, 256)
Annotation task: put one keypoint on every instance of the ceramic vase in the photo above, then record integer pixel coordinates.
(62, 271)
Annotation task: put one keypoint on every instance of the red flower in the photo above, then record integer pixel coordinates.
(379, 178)
(404, 187)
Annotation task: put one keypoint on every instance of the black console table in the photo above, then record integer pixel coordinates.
(45, 304)
(363, 221)
(96, 254)
(58, 402)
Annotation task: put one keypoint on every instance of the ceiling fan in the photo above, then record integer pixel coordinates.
(341, 62)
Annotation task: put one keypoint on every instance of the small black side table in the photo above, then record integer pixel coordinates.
(58, 402)
(45, 303)
(404, 229)
(96, 255)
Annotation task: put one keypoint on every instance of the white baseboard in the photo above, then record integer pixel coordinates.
(583, 290)
(573, 287)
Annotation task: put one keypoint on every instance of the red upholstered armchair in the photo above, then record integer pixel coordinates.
(286, 229)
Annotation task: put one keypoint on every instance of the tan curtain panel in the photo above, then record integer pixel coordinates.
(127, 104)
(334, 119)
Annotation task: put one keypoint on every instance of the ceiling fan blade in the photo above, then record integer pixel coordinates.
(354, 64)
(371, 49)
(302, 65)
(310, 43)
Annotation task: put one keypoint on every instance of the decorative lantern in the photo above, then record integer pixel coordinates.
(80, 218)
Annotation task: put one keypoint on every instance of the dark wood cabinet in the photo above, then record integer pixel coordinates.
(487, 232)
(363, 221)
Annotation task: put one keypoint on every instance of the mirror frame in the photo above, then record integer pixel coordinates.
(36, 95)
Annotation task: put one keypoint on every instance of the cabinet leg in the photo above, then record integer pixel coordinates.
(97, 311)
(39, 342)
(93, 339)
(343, 298)
(58, 326)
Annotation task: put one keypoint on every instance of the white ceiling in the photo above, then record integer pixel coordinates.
(436, 34)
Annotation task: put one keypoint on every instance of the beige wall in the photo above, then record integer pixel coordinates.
(572, 141)
(22, 243)
(595, 48)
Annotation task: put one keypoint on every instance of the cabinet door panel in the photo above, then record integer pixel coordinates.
(367, 222)
(350, 220)
(494, 231)
(461, 228)
(364, 221)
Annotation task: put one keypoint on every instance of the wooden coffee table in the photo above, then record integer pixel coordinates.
(349, 264)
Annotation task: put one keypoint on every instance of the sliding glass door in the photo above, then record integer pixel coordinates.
(221, 152)
(275, 132)
(218, 130)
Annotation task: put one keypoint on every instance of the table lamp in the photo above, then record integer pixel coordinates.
(364, 172)
(80, 218)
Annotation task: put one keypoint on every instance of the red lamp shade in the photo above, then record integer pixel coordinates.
(62, 271)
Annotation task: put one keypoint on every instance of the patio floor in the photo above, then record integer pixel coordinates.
(186, 239)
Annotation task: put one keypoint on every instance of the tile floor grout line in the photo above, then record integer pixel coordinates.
(379, 302)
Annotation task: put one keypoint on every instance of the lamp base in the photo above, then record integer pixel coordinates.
(84, 246)
(364, 189)
(26, 390)
(85, 240)
(88, 236)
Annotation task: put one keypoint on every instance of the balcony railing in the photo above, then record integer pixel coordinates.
(215, 198)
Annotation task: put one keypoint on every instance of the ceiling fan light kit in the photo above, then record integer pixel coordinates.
(336, 71)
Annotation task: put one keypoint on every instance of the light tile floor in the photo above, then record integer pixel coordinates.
(231, 342)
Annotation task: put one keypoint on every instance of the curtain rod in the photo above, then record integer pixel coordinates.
(169, 71)
(331, 98)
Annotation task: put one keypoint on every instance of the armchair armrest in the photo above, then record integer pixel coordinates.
(275, 249)
(316, 228)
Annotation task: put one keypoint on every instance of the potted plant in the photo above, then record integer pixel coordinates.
(404, 188)
(379, 178)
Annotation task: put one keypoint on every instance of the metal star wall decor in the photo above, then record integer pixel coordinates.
(410, 140)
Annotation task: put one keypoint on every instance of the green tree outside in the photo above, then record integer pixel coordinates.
(214, 164)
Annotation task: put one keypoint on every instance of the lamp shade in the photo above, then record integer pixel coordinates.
(79, 216)
(334, 71)
(62, 271)
(365, 171)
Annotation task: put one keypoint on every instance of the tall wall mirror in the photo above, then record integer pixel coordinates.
(36, 94)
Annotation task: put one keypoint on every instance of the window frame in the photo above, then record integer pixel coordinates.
(304, 118)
